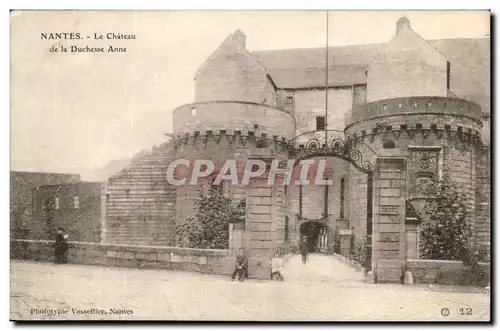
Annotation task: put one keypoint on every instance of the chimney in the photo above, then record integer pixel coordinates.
(240, 37)
(403, 22)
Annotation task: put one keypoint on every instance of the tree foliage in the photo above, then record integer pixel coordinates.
(209, 228)
(445, 233)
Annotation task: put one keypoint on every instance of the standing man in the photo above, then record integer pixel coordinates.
(304, 248)
(60, 247)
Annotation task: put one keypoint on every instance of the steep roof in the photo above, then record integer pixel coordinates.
(300, 68)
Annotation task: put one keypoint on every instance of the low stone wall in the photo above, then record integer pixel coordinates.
(446, 272)
(212, 261)
(199, 260)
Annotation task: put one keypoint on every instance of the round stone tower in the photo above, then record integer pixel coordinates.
(236, 116)
(411, 141)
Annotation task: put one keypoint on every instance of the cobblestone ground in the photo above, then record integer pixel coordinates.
(322, 290)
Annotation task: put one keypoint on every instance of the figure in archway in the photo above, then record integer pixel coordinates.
(304, 248)
(315, 233)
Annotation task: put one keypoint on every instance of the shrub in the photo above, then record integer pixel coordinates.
(360, 251)
(445, 233)
(210, 226)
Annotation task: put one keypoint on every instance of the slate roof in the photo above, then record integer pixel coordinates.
(305, 68)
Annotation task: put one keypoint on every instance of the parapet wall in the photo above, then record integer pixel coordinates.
(428, 112)
(412, 105)
(233, 115)
(210, 261)
(445, 272)
(135, 256)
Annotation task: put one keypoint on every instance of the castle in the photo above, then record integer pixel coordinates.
(410, 110)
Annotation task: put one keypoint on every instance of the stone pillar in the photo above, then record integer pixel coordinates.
(388, 255)
(265, 219)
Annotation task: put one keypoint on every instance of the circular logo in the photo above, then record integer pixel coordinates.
(445, 312)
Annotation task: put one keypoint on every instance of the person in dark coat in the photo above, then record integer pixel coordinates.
(60, 247)
(241, 267)
(304, 249)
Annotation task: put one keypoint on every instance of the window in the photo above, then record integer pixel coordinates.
(342, 197)
(388, 144)
(193, 111)
(56, 203)
(289, 100)
(448, 73)
(76, 202)
(286, 228)
(320, 122)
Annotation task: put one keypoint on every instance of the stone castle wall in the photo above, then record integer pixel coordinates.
(139, 204)
(233, 116)
(435, 136)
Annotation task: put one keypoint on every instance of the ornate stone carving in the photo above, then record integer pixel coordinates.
(423, 170)
(424, 160)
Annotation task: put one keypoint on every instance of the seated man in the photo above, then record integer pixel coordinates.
(241, 267)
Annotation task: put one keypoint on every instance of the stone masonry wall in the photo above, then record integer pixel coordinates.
(454, 133)
(238, 116)
(133, 256)
(232, 73)
(407, 66)
(140, 204)
(311, 103)
(483, 200)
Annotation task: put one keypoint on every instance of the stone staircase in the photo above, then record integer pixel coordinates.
(140, 204)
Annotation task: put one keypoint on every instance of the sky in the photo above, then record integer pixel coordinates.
(75, 112)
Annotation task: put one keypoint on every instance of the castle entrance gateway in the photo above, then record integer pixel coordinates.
(317, 230)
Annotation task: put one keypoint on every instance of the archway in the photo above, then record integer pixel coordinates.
(345, 150)
(316, 234)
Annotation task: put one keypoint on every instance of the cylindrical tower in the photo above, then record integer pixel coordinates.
(434, 135)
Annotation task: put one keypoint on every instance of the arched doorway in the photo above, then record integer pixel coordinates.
(316, 233)
(345, 150)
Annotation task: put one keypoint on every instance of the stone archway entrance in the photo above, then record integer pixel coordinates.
(342, 149)
(316, 233)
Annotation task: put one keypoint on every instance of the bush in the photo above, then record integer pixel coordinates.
(445, 233)
(210, 226)
(474, 275)
(360, 251)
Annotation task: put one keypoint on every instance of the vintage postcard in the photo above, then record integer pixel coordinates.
(250, 166)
